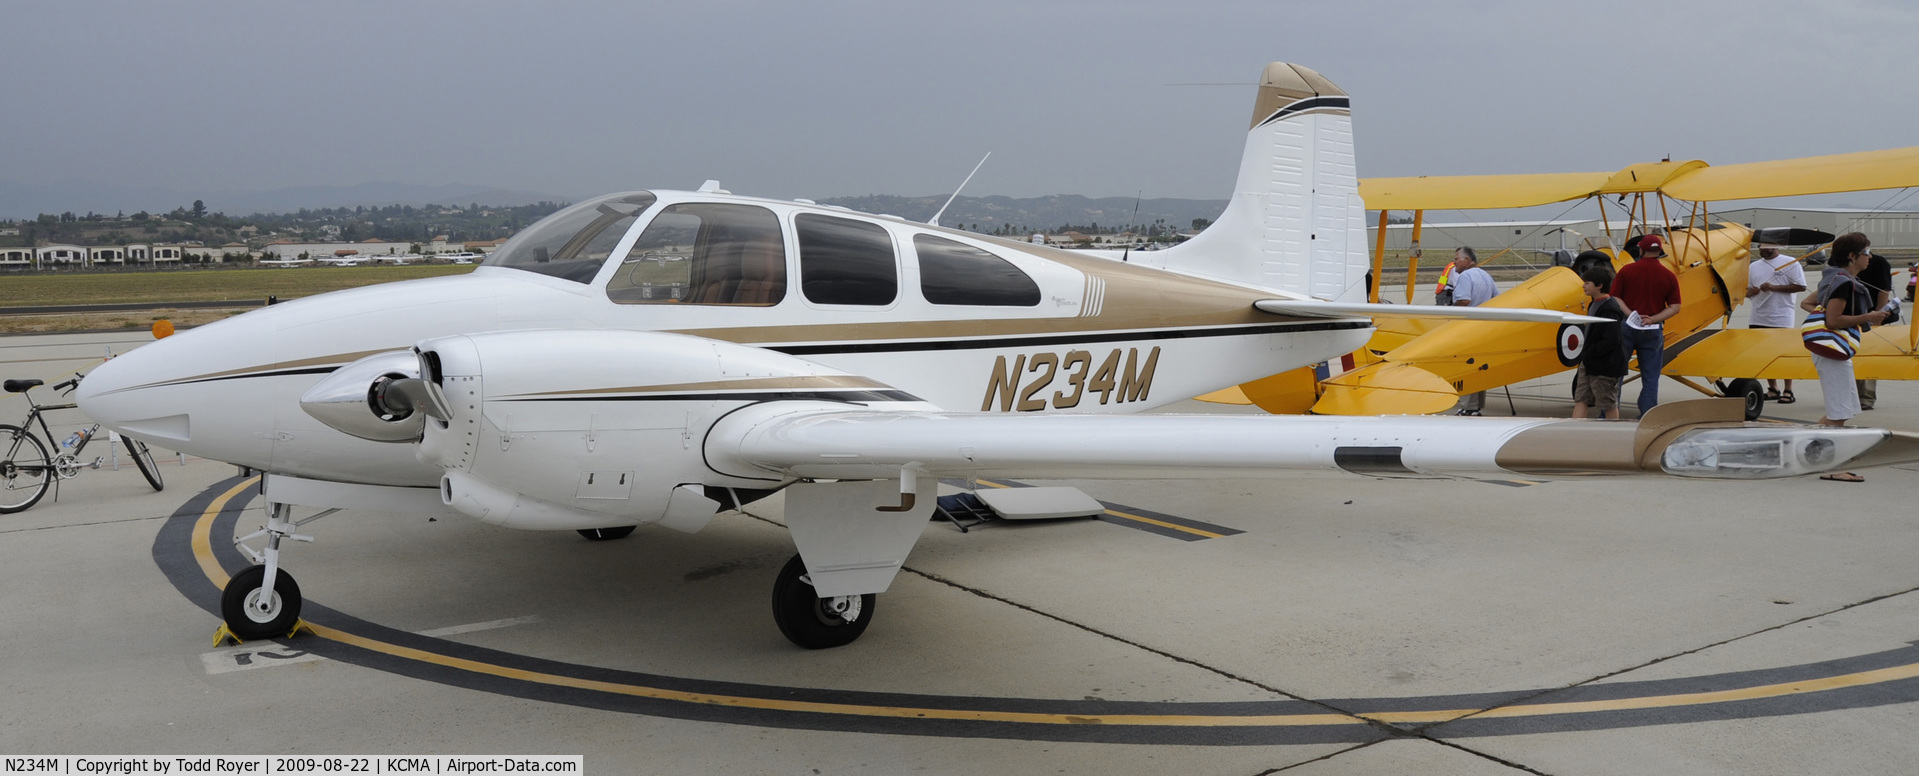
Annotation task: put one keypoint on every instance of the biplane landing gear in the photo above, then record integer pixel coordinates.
(607, 534)
(1752, 391)
(814, 622)
(263, 601)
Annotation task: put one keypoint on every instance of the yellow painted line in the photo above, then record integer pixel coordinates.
(1164, 524)
(203, 552)
(770, 704)
(203, 530)
(1138, 518)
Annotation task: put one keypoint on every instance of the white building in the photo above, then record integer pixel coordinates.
(16, 256)
(61, 254)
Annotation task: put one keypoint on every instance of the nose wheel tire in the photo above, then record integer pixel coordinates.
(607, 534)
(25, 470)
(143, 460)
(241, 605)
(814, 622)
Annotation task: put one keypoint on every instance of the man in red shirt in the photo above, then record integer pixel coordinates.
(1651, 293)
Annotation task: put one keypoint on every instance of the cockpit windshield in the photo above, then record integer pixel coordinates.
(573, 243)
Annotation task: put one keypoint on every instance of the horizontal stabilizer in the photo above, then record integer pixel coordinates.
(1319, 309)
(1386, 389)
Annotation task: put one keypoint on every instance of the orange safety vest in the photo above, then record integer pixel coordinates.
(1445, 278)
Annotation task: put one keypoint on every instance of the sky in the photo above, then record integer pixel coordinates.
(840, 98)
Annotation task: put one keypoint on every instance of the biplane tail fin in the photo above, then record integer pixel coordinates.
(1295, 222)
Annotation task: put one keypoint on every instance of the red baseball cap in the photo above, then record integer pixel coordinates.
(1650, 243)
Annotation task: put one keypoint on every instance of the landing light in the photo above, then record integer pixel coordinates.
(1762, 453)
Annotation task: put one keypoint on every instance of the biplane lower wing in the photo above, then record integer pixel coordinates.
(1777, 354)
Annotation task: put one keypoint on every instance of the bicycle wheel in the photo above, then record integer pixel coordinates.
(25, 471)
(143, 458)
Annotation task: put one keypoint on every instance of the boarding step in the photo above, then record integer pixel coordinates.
(965, 510)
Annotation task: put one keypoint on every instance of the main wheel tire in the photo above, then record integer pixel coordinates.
(811, 621)
(607, 534)
(248, 622)
(1750, 390)
(143, 460)
(25, 469)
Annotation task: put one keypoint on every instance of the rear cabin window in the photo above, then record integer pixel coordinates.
(955, 273)
(843, 261)
(574, 243)
(705, 253)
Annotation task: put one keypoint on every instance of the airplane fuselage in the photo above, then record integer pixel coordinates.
(1097, 337)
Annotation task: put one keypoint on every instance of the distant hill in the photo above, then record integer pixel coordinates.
(1039, 213)
(25, 201)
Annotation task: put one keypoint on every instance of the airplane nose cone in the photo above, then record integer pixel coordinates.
(121, 395)
(179, 393)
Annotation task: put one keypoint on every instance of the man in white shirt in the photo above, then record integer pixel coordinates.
(1472, 287)
(1773, 283)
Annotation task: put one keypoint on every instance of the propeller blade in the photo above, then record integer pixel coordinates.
(413, 393)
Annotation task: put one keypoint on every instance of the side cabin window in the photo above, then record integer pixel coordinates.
(574, 243)
(843, 261)
(705, 253)
(960, 274)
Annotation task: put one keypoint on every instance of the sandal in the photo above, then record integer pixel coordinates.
(1772, 394)
(1843, 477)
(1785, 397)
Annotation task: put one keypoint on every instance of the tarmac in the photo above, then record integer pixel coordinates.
(1311, 626)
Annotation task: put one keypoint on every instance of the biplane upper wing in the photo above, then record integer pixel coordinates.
(1693, 180)
(1892, 168)
(1478, 192)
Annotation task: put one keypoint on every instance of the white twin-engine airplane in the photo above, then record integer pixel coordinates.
(660, 356)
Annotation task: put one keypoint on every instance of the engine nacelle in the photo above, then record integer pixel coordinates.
(587, 429)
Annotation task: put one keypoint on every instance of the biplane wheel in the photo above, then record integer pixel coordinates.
(1570, 343)
(607, 534)
(1750, 390)
(239, 604)
(814, 622)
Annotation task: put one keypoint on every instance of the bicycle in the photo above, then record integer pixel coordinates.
(27, 470)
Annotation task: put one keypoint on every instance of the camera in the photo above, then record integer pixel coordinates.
(1892, 312)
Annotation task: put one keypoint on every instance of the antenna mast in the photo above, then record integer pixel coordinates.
(935, 220)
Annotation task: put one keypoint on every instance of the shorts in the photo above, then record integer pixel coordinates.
(1599, 392)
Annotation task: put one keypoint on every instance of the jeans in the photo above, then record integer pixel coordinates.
(1650, 346)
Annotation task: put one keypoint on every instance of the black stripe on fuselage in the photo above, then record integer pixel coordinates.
(1062, 339)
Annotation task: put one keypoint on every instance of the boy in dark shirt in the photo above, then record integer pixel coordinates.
(1602, 364)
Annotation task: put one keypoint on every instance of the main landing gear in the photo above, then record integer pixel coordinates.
(263, 601)
(814, 622)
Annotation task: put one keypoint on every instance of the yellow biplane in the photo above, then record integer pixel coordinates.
(1419, 366)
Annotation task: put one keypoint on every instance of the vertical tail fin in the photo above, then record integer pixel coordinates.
(1295, 222)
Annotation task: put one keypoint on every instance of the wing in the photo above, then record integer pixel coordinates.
(1778, 354)
(1693, 181)
(1864, 171)
(1314, 308)
(1699, 438)
(1478, 192)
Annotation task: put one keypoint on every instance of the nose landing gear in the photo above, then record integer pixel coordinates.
(263, 601)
